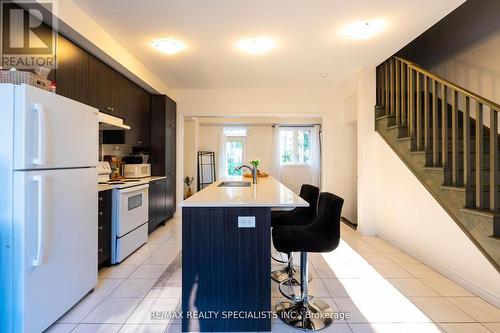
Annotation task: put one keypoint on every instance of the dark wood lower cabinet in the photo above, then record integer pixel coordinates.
(157, 204)
(104, 229)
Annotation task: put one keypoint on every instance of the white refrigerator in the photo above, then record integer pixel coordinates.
(48, 206)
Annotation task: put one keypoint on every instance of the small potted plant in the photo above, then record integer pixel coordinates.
(255, 163)
(188, 181)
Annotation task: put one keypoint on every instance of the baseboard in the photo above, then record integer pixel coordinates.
(467, 284)
(349, 223)
(366, 231)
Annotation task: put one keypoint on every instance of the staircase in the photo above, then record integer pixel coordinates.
(442, 132)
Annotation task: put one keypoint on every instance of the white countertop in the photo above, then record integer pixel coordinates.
(105, 187)
(268, 192)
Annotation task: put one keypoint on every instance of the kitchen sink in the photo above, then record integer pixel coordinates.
(235, 184)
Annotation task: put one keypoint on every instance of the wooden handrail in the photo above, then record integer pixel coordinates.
(425, 109)
(449, 84)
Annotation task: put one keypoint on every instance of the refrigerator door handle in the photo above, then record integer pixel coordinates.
(42, 127)
(38, 260)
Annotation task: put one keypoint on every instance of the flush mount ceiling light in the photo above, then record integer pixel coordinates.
(169, 45)
(364, 29)
(256, 45)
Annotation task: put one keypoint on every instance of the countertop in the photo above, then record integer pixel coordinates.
(268, 192)
(105, 187)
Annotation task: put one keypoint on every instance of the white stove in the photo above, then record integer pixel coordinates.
(130, 213)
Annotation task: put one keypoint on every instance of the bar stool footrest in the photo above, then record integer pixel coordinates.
(309, 314)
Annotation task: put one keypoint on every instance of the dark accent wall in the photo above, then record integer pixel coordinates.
(463, 47)
(467, 26)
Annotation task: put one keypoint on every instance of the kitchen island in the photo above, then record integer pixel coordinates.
(226, 253)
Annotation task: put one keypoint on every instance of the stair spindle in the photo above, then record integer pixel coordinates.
(479, 155)
(493, 159)
(397, 68)
(466, 138)
(435, 144)
(454, 138)
(427, 132)
(411, 101)
(444, 125)
(419, 111)
(386, 84)
(391, 74)
(403, 91)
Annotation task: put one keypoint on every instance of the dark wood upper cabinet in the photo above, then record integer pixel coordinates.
(99, 77)
(72, 71)
(163, 143)
(84, 78)
(135, 104)
(113, 93)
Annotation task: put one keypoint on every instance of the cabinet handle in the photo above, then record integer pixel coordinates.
(100, 249)
(100, 213)
(139, 142)
(100, 198)
(100, 227)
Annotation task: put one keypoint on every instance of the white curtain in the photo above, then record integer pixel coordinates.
(222, 155)
(316, 155)
(275, 154)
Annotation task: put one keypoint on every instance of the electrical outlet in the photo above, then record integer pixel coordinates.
(246, 221)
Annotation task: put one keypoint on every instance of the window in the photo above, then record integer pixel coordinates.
(232, 131)
(295, 146)
(235, 147)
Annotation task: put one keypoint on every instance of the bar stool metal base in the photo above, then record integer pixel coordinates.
(307, 314)
(280, 275)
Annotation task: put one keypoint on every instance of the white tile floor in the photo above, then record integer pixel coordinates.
(383, 289)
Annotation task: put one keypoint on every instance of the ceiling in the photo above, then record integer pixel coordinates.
(308, 34)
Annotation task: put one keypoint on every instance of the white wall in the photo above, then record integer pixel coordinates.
(365, 101)
(408, 216)
(394, 205)
(339, 134)
(190, 152)
(259, 145)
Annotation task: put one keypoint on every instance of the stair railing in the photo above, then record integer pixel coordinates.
(420, 103)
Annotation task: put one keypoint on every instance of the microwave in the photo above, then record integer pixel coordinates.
(136, 170)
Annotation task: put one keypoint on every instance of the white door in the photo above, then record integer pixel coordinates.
(52, 131)
(55, 222)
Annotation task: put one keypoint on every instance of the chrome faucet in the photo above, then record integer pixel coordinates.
(251, 168)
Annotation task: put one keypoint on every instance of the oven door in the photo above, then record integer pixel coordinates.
(132, 208)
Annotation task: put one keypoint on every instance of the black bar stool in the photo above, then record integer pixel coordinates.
(322, 235)
(296, 216)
